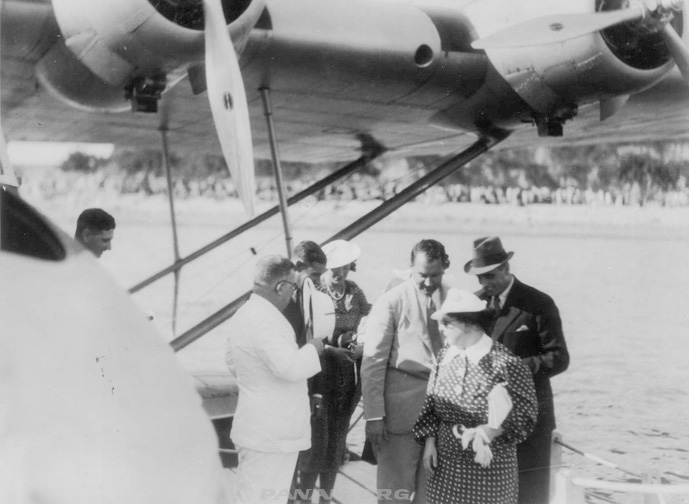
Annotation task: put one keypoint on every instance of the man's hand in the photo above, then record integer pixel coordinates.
(318, 344)
(341, 355)
(357, 352)
(376, 432)
(316, 405)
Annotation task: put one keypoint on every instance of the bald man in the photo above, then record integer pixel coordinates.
(271, 424)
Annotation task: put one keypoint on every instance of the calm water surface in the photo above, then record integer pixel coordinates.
(623, 302)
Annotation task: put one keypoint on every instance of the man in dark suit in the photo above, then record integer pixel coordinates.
(528, 323)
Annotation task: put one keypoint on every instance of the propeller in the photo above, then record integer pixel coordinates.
(654, 14)
(556, 28)
(227, 99)
(679, 51)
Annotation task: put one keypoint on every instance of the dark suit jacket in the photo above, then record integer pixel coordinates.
(529, 325)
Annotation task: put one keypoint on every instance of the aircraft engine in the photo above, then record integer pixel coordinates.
(118, 47)
(557, 73)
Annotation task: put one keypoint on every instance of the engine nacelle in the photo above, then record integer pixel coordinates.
(555, 79)
(108, 44)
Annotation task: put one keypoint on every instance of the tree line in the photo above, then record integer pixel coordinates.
(648, 170)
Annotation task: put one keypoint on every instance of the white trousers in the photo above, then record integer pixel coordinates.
(263, 477)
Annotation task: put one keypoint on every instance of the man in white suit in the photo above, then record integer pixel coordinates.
(399, 351)
(271, 424)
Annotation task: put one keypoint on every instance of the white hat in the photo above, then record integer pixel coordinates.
(341, 253)
(459, 301)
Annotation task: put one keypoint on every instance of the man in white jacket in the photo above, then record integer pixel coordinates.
(271, 424)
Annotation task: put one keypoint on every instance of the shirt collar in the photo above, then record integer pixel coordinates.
(422, 295)
(474, 353)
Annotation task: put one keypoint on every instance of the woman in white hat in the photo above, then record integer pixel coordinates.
(341, 385)
(479, 404)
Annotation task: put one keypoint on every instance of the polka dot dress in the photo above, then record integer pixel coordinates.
(458, 394)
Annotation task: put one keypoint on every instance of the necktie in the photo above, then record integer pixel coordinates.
(495, 306)
(432, 325)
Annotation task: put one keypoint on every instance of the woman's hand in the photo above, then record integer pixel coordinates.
(430, 456)
(490, 432)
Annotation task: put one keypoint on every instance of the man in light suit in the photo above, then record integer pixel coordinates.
(271, 424)
(399, 351)
(528, 323)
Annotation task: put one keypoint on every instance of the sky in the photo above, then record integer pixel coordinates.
(46, 154)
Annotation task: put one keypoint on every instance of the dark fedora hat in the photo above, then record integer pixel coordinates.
(488, 255)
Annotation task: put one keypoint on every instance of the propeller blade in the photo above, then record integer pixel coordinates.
(679, 51)
(228, 103)
(242, 26)
(556, 28)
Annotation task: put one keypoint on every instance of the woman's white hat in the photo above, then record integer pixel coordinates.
(341, 253)
(459, 301)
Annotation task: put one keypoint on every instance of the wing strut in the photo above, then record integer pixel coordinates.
(386, 208)
(371, 150)
(277, 168)
(173, 220)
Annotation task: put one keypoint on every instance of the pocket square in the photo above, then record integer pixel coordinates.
(522, 328)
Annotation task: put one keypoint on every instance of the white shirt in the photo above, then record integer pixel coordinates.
(271, 370)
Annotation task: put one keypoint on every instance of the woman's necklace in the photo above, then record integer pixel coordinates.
(334, 294)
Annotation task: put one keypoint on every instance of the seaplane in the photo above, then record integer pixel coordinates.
(97, 408)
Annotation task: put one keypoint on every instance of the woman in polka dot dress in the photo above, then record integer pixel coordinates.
(479, 404)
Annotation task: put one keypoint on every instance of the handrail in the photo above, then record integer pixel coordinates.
(596, 459)
(616, 486)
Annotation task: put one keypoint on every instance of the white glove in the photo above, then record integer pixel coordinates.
(481, 446)
(479, 443)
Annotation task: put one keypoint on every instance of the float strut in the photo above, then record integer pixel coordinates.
(385, 209)
(417, 188)
(370, 152)
(173, 219)
(277, 168)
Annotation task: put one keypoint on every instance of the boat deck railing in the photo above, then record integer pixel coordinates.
(566, 488)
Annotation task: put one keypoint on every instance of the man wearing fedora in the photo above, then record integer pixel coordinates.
(528, 323)
(400, 346)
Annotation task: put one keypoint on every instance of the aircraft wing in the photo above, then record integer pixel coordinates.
(403, 73)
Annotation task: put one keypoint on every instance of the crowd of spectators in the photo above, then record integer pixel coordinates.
(51, 184)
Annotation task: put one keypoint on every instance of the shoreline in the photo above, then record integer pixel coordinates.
(564, 220)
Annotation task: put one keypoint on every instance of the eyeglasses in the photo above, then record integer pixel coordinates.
(294, 285)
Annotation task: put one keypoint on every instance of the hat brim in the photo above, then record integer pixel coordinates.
(469, 268)
(437, 315)
(345, 257)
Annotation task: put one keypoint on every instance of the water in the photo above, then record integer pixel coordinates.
(622, 296)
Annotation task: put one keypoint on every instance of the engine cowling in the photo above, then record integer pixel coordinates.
(555, 79)
(108, 44)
